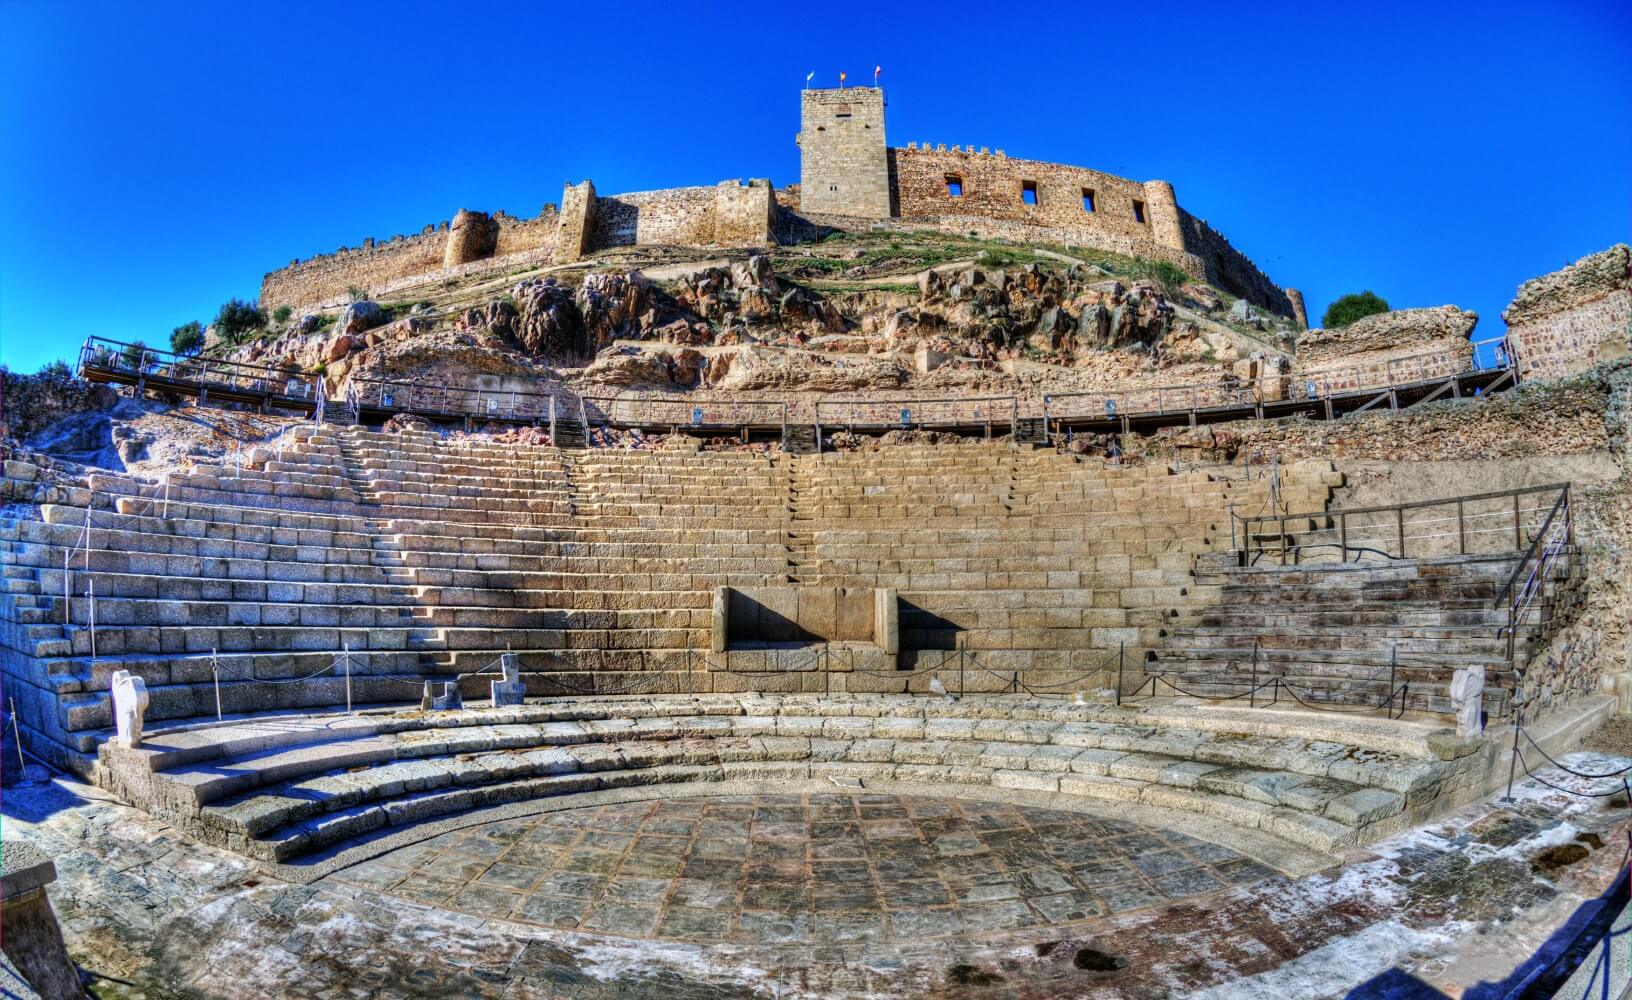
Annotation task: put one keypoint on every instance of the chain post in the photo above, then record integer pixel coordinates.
(345, 657)
(17, 734)
(1121, 651)
(215, 673)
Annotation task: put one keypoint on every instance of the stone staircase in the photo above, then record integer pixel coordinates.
(1352, 633)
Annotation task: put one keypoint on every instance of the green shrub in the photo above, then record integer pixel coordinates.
(238, 319)
(131, 356)
(1352, 307)
(1170, 276)
(282, 313)
(57, 370)
(356, 294)
(188, 338)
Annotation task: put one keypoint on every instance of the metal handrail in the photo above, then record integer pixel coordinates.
(888, 410)
(1254, 526)
(1520, 601)
(113, 355)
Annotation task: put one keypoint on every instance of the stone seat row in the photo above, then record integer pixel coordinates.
(276, 799)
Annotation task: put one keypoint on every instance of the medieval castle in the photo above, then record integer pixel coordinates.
(849, 178)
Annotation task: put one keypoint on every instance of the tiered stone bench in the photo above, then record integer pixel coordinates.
(280, 788)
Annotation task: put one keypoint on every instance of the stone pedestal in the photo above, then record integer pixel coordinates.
(32, 940)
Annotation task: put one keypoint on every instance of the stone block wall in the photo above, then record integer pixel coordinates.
(1567, 321)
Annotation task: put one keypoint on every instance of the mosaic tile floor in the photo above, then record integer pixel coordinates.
(804, 868)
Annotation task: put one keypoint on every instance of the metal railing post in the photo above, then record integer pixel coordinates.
(215, 674)
(1518, 726)
(345, 657)
(1518, 533)
(1121, 651)
(1252, 693)
(1393, 662)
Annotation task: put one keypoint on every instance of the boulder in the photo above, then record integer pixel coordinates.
(360, 316)
(547, 321)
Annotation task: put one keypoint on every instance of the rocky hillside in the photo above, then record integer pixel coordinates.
(853, 312)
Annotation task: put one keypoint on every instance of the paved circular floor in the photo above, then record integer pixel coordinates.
(805, 868)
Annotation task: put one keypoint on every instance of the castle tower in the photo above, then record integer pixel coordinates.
(1299, 314)
(844, 167)
(472, 236)
(1162, 210)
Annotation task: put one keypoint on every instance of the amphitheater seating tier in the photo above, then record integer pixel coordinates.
(279, 788)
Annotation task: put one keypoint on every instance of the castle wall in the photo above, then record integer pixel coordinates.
(992, 187)
(671, 217)
(528, 235)
(1571, 319)
(1231, 270)
(328, 276)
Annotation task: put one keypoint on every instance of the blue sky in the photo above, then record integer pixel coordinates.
(157, 159)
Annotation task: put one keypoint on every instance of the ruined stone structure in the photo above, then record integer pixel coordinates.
(1571, 319)
(1405, 345)
(850, 178)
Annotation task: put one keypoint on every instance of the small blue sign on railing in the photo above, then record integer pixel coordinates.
(1314, 391)
(1110, 407)
(906, 417)
(696, 415)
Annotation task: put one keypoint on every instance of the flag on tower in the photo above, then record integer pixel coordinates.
(876, 70)
(842, 76)
(809, 77)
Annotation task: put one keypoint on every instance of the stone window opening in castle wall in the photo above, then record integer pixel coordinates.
(1028, 192)
(1139, 212)
(954, 186)
(1087, 199)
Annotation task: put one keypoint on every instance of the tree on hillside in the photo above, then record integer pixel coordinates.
(57, 370)
(133, 354)
(188, 338)
(1352, 307)
(237, 319)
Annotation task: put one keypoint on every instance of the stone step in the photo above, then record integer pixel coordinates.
(291, 800)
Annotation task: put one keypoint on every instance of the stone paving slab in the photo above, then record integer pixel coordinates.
(808, 868)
